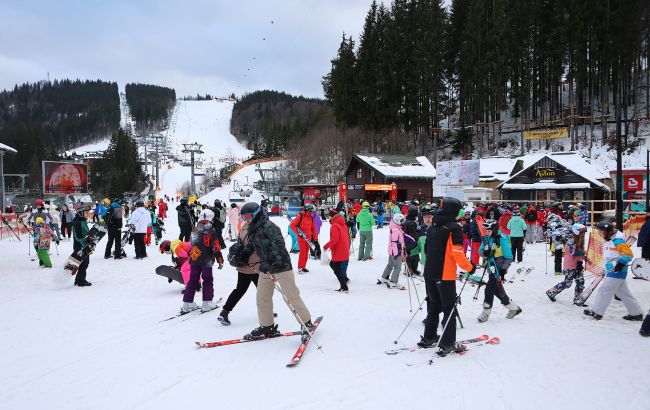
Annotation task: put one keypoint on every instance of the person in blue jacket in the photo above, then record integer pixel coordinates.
(496, 251)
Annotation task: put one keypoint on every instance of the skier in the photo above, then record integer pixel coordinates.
(444, 251)
(275, 267)
(574, 258)
(185, 220)
(396, 252)
(41, 212)
(411, 229)
(42, 241)
(616, 255)
(113, 219)
(381, 210)
(162, 209)
(219, 221)
(80, 233)
(246, 274)
(140, 218)
(304, 223)
(205, 249)
(517, 228)
(339, 244)
(233, 220)
(366, 221)
(496, 252)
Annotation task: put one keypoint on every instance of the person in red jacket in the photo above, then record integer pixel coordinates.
(339, 244)
(305, 229)
(162, 209)
(503, 222)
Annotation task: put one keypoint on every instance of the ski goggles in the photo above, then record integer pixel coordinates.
(249, 217)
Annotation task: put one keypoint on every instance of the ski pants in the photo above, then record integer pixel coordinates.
(530, 233)
(304, 253)
(394, 265)
(138, 243)
(294, 241)
(380, 221)
(558, 259)
(243, 282)
(114, 234)
(340, 270)
(196, 272)
(44, 257)
(147, 238)
(186, 230)
(66, 227)
(80, 276)
(365, 244)
(466, 245)
(265, 289)
(618, 287)
(570, 276)
(517, 244)
(412, 262)
(474, 255)
(495, 287)
(442, 299)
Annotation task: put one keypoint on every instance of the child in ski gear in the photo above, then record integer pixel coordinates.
(496, 252)
(444, 241)
(42, 241)
(396, 251)
(517, 228)
(558, 231)
(303, 224)
(340, 246)
(205, 249)
(476, 233)
(80, 233)
(616, 255)
(275, 268)
(574, 257)
(412, 230)
(366, 221)
(180, 252)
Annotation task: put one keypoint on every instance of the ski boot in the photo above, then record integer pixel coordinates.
(393, 285)
(485, 315)
(303, 271)
(262, 332)
(550, 295)
(645, 327)
(427, 343)
(223, 317)
(382, 281)
(207, 306)
(633, 318)
(188, 307)
(457, 347)
(593, 314)
(513, 310)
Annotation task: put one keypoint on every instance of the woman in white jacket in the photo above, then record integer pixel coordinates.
(140, 218)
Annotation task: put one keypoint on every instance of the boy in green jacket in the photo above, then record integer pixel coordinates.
(366, 221)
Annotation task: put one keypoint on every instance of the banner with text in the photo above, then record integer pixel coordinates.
(546, 134)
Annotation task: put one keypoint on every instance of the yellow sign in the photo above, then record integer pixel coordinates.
(546, 134)
(545, 173)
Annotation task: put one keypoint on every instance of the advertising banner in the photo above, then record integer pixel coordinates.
(633, 182)
(546, 134)
(65, 178)
(458, 172)
(378, 187)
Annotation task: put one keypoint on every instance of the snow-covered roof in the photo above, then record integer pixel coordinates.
(496, 168)
(399, 166)
(547, 185)
(7, 148)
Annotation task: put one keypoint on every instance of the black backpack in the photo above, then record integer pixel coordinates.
(237, 256)
(531, 216)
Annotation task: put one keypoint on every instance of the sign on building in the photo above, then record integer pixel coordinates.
(458, 172)
(65, 178)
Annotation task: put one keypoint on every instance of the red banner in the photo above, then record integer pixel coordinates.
(343, 192)
(393, 193)
(633, 182)
(311, 195)
(65, 178)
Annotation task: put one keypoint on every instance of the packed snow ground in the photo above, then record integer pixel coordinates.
(104, 347)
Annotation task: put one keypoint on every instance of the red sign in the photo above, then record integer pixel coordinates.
(65, 178)
(311, 195)
(633, 182)
(343, 192)
(393, 193)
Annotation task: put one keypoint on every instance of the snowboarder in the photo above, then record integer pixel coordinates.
(496, 252)
(185, 220)
(80, 233)
(574, 258)
(366, 221)
(303, 224)
(205, 249)
(396, 252)
(616, 255)
(339, 244)
(42, 241)
(140, 218)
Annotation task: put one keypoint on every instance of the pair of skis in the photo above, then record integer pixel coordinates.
(477, 341)
(297, 355)
(194, 313)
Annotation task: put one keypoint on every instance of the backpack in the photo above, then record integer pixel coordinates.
(236, 255)
(531, 216)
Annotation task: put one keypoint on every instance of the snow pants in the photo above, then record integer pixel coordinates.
(365, 244)
(394, 265)
(474, 255)
(495, 287)
(147, 238)
(380, 221)
(138, 243)
(517, 245)
(340, 270)
(618, 287)
(196, 272)
(558, 259)
(442, 298)
(304, 253)
(265, 289)
(66, 227)
(243, 282)
(186, 231)
(80, 276)
(114, 234)
(570, 276)
(44, 257)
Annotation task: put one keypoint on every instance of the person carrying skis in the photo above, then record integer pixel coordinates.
(80, 234)
(396, 252)
(185, 220)
(113, 219)
(517, 228)
(496, 252)
(574, 258)
(205, 249)
(42, 242)
(140, 218)
(616, 256)
(304, 227)
(444, 251)
(366, 221)
(339, 244)
(275, 268)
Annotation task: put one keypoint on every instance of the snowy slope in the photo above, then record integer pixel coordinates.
(103, 347)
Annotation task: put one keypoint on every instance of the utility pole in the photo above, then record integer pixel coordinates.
(194, 148)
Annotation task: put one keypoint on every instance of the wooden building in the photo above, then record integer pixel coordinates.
(371, 177)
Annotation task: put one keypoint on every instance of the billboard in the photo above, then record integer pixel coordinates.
(65, 178)
(458, 172)
(546, 134)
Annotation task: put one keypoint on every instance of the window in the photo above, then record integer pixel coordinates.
(359, 173)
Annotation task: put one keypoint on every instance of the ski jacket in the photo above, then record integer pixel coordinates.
(498, 245)
(541, 218)
(182, 252)
(381, 209)
(79, 229)
(474, 231)
(395, 240)
(517, 227)
(40, 213)
(339, 240)
(152, 217)
(219, 220)
(503, 222)
(233, 216)
(102, 210)
(616, 251)
(140, 218)
(411, 228)
(56, 219)
(253, 259)
(267, 240)
(162, 209)
(572, 256)
(318, 222)
(67, 216)
(420, 249)
(365, 220)
(306, 224)
(42, 236)
(185, 217)
(205, 245)
(444, 249)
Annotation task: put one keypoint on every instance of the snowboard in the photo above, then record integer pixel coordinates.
(95, 234)
(170, 273)
(640, 268)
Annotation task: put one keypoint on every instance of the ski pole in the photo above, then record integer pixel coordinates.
(478, 288)
(293, 310)
(409, 322)
(415, 289)
(449, 319)
(408, 284)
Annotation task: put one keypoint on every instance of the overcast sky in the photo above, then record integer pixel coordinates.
(194, 46)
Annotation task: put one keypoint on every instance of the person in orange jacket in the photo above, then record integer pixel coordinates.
(304, 227)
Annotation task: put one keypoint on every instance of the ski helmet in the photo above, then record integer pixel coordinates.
(398, 219)
(249, 211)
(491, 224)
(427, 210)
(39, 202)
(206, 215)
(605, 225)
(39, 220)
(365, 204)
(310, 207)
(165, 246)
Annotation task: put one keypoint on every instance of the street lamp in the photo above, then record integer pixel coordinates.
(3, 148)
(192, 149)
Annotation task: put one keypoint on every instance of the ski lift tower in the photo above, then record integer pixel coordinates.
(3, 148)
(193, 148)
